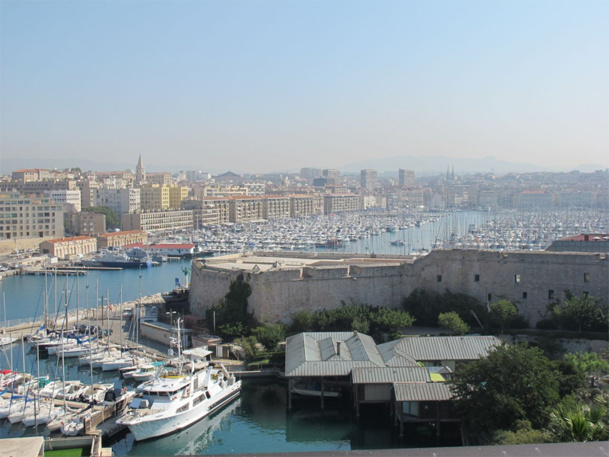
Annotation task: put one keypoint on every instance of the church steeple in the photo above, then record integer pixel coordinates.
(140, 172)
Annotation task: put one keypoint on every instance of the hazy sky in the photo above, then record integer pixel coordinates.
(275, 85)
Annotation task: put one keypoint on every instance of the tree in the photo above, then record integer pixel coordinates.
(453, 323)
(250, 346)
(425, 306)
(270, 335)
(573, 421)
(524, 433)
(303, 321)
(581, 313)
(588, 363)
(502, 312)
(112, 220)
(232, 313)
(512, 383)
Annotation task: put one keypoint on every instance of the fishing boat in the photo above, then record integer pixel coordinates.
(179, 294)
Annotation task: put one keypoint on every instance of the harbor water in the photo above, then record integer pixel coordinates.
(258, 421)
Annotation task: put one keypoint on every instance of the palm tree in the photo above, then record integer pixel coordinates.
(572, 421)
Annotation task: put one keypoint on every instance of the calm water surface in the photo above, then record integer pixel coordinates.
(256, 422)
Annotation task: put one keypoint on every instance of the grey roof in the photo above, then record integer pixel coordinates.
(443, 347)
(337, 353)
(430, 391)
(393, 358)
(389, 375)
(330, 353)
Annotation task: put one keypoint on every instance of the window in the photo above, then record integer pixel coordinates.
(488, 297)
(586, 277)
(524, 295)
(476, 278)
(585, 294)
(439, 278)
(517, 279)
(551, 294)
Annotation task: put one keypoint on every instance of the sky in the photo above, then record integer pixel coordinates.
(261, 86)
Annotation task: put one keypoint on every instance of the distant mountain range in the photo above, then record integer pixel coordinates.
(422, 165)
(427, 165)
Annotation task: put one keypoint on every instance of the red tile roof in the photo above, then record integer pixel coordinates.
(172, 246)
(587, 237)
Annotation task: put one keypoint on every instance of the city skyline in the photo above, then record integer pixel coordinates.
(273, 86)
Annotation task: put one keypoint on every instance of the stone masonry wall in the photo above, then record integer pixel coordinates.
(525, 278)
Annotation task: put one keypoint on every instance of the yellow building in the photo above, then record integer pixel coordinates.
(118, 239)
(66, 248)
(156, 197)
(176, 195)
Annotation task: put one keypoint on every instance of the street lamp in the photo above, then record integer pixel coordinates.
(170, 314)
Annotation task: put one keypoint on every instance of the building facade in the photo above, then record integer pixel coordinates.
(67, 248)
(246, 209)
(29, 217)
(155, 221)
(280, 288)
(339, 203)
(119, 200)
(70, 199)
(368, 179)
(118, 239)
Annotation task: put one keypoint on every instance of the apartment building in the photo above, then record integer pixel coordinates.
(275, 207)
(368, 179)
(29, 217)
(87, 224)
(156, 197)
(246, 209)
(339, 203)
(210, 211)
(119, 200)
(304, 205)
(406, 178)
(154, 221)
(69, 199)
(160, 178)
(219, 191)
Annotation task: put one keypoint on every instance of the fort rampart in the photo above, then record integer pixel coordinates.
(282, 286)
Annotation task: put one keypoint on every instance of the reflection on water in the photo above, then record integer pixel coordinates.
(259, 422)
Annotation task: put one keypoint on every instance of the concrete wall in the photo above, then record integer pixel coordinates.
(278, 294)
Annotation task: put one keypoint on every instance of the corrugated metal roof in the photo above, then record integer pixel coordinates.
(446, 347)
(433, 391)
(316, 354)
(392, 358)
(327, 368)
(389, 375)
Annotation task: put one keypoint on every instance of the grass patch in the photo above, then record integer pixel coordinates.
(76, 452)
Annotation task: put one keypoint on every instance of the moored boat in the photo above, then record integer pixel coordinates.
(172, 402)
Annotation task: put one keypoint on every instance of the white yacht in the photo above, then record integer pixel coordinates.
(176, 399)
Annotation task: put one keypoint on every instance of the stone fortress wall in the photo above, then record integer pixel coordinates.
(282, 286)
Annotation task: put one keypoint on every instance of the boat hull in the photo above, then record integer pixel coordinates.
(110, 264)
(143, 429)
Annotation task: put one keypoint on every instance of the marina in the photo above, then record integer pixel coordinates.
(260, 411)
